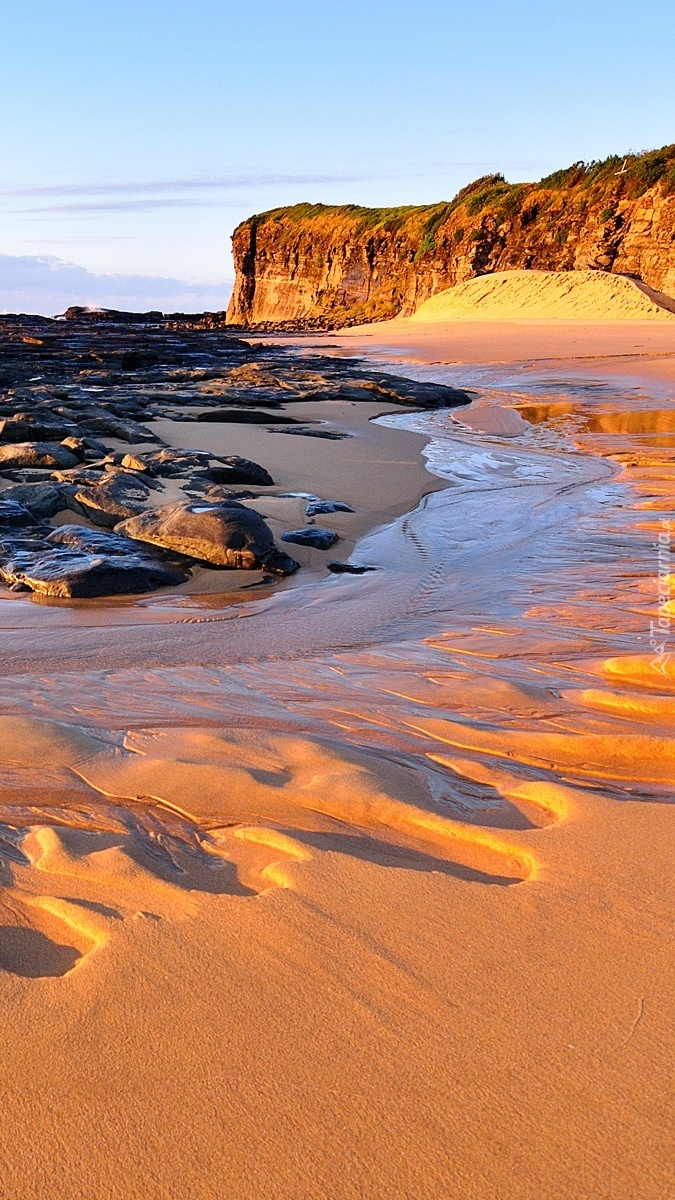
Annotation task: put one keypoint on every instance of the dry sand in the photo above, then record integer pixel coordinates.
(612, 324)
(365, 890)
(546, 296)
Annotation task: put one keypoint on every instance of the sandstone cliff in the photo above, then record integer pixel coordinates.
(330, 266)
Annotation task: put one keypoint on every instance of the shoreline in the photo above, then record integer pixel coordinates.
(391, 848)
(466, 343)
(379, 470)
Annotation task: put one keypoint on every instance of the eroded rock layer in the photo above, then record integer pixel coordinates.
(334, 265)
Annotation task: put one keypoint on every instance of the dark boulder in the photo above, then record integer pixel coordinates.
(329, 435)
(37, 454)
(391, 389)
(119, 495)
(95, 541)
(76, 444)
(24, 427)
(135, 462)
(316, 508)
(81, 476)
(244, 416)
(41, 499)
(340, 568)
(29, 475)
(123, 429)
(169, 463)
(215, 493)
(233, 469)
(223, 535)
(320, 539)
(14, 514)
(67, 573)
(105, 542)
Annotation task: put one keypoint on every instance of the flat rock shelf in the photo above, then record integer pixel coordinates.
(80, 401)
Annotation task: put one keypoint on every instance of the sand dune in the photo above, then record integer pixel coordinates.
(546, 296)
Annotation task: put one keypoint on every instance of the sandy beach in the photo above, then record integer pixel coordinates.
(361, 886)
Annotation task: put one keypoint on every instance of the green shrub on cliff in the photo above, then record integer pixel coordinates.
(567, 177)
(668, 183)
(481, 200)
(647, 170)
(426, 246)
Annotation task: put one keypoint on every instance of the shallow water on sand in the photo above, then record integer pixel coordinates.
(509, 651)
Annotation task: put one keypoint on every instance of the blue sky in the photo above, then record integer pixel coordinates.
(135, 136)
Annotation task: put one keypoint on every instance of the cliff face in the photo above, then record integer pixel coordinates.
(330, 266)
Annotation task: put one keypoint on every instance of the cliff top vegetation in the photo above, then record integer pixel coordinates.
(612, 179)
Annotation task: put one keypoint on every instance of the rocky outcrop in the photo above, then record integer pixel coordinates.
(325, 266)
(66, 387)
(223, 535)
(73, 563)
(36, 454)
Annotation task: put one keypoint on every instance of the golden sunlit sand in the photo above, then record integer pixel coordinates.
(546, 296)
(364, 888)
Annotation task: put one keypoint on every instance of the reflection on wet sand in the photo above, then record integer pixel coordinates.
(378, 867)
(478, 659)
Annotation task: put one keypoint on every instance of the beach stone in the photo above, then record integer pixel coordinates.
(319, 539)
(134, 462)
(316, 508)
(36, 454)
(170, 463)
(24, 427)
(393, 389)
(29, 475)
(75, 444)
(61, 571)
(330, 435)
(340, 568)
(223, 535)
(215, 493)
(119, 495)
(93, 449)
(244, 416)
(233, 469)
(14, 514)
(80, 475)
(105, 542)
(93, 541)
(41, 499)
(122, 428)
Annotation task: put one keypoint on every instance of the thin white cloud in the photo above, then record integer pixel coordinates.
(47, 285)
(145, 204)
(234, 181)
(152, 194)
(147, 195)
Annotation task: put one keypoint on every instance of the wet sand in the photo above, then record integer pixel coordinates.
(364, 888)
(379, 472)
